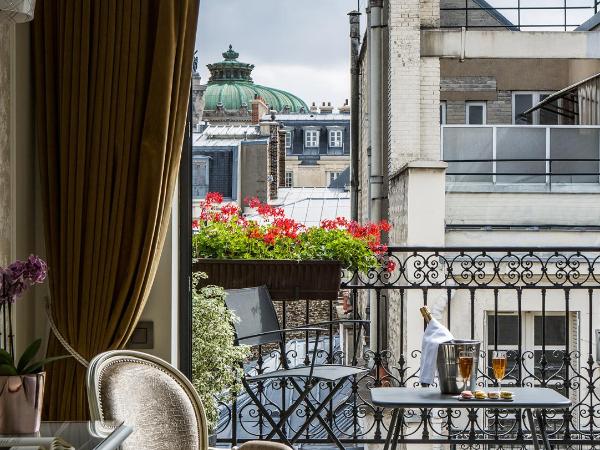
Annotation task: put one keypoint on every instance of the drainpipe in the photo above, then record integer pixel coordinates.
(375, 133)
(354, 106)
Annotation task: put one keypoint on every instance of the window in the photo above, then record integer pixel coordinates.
(311, 138)
(288, 139)
(335, 138)
(332, 177)
(522, 101)
(555, 337)
(554, 334)
(443, 112)
(200, 174)
(289, 179)
(475, 113)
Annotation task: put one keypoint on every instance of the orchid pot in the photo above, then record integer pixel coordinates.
(21, 400)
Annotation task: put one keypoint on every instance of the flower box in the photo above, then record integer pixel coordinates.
(286, 279)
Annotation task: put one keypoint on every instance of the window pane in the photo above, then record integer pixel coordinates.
(462, 143)
(574, 143)
(521, 143)
(522, 103)
(508, 329)
(475, 114)
(548, 117)
(555, 330)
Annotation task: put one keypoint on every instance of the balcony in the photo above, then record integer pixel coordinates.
(517, 15)
(526, 157)
(539, 304)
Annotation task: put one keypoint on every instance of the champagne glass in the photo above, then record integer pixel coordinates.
(465, 366)
(499, 366)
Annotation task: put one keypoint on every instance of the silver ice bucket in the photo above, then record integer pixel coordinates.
(447, 365)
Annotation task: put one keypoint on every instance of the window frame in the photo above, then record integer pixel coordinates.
(332, 133)
(444, 112)
(312, 132)
(291, 179)
(288, 138)
(468, 105)
(535, 99)
(333, 173)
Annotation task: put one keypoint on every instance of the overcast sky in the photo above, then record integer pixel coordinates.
(301, 46)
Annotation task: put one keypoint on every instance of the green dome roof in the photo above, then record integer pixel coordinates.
(231, 87)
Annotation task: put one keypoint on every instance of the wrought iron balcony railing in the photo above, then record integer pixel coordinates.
(540, 304)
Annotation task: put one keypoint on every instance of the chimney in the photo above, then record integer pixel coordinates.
(326, 109)
(313, 108)
(345, 108)
(259, 109)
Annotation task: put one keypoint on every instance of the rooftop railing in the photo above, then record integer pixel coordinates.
(538, 303)
(517, 15)
(522, 154)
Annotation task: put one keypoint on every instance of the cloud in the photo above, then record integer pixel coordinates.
(297, 45)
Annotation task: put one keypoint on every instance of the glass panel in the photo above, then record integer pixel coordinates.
(508, 330)
(475, 114)
(521, 143)
(200, 183)
(549, 117)
(462, 143)
(221, 168)
(522, 103)
(555, 330)
(574, 143)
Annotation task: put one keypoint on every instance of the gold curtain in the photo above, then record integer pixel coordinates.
(112, 81)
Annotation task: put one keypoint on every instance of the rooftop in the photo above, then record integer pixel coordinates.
(309, 117)
(312, 205)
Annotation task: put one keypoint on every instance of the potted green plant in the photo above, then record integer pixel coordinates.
(216, 361)
(21, 381)
(292, 260)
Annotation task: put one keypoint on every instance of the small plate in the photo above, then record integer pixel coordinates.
(487, 399)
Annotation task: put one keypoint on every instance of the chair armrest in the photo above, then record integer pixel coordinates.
(284, 330)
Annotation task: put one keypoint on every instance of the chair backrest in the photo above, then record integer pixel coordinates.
(151, 396)
(256, 314)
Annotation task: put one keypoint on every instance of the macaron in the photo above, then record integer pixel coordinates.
(467, 395)
(506, 395)
(480, 395)
(493, 395)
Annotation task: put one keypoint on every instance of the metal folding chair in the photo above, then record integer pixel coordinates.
(258, 325)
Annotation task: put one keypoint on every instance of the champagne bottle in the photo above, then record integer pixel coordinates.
(426, 313)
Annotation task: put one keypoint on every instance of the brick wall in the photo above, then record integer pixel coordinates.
(499, 110)
(404, 98)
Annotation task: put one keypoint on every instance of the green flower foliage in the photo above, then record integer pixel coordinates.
(222, 233)
(216, 361)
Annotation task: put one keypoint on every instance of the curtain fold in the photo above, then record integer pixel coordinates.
(112, 81)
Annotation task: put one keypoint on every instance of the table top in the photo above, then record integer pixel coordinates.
(92, 435)
(542, 398)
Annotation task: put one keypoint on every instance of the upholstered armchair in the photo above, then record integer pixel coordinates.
(155, 399)
(149, 395)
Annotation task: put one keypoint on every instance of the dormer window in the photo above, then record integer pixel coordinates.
(311, 138)
(288, 139)
(336, 138)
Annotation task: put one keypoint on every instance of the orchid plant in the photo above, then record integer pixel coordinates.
(222, 232)
(15, 280)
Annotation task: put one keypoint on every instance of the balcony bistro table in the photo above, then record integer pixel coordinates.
(528, 399)
(93, 435)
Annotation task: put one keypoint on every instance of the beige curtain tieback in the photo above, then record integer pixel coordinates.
(80, 359)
